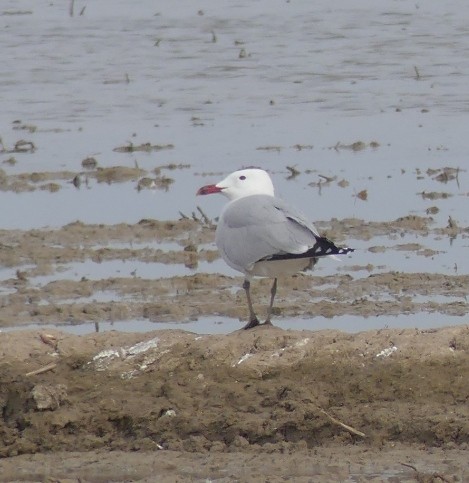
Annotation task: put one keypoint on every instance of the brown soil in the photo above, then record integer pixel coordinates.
(259, 405)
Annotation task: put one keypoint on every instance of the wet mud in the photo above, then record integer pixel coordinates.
(41, 281)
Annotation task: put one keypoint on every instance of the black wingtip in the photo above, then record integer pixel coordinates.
(325, 247)
(322, 248)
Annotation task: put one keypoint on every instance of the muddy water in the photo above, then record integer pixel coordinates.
(358, 111)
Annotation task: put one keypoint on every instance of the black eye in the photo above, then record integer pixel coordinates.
(242, 178)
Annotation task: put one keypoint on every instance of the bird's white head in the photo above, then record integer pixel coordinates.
(245, 182)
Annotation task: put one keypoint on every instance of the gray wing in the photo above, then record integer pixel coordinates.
(260, 226)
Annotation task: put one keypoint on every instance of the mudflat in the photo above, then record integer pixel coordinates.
(171, 281)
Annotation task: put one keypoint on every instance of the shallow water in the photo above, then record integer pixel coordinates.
(334, 75)
(225, 325)
(271, 84)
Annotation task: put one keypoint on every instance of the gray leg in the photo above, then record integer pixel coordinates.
(273, 291)
(253, 322)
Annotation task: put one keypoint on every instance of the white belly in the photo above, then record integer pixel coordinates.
(278, 268)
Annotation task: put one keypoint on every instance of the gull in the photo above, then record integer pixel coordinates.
(261, 235)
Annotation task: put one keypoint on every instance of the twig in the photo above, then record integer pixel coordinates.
(345, 426)
(49, 367)
(205, 218)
